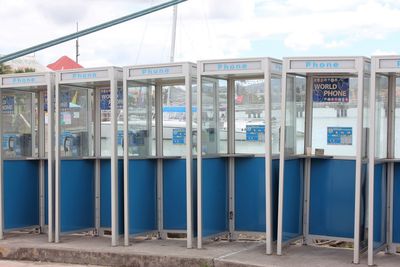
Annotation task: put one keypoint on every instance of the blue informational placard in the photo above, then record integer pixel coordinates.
(255, 132)
(331, 90)
(340, 136)
(105, 99)
(178, 136)
(8, 104)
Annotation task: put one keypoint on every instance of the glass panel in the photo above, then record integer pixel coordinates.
(249, 116)
(397, 121)
(295, 111)
(76, 121)
(381, 109)
(214, 117)
(334, 123)
(141, 120)
(275, 112)
(366, 111)
(105, 120)
(194, 115)
(17, 124)
(174, 120)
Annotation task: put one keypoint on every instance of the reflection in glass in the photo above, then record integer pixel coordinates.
(76, 121)
(249, 116)
(105, 120)
(174, 120)
(329, 118)
(18, 124)
(295, 112)
(397, 121)
(381, 109)
(141, 120)
(214, 116)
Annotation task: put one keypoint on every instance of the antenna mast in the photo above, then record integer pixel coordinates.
(77, 44)
(175, 15)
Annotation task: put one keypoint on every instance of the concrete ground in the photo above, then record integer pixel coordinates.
(10, 263)
(85, 250)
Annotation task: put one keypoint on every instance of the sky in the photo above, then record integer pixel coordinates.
(206, 29)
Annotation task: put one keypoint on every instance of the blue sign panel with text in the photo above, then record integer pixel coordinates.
(340, 136)
(331, 89)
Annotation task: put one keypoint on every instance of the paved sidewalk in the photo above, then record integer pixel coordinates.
(86, 250)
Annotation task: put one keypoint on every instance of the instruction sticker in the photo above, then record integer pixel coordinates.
(255, 133)
(178, 136)
(8, 104)
(105, 99)
(331, 90)
(340, 136)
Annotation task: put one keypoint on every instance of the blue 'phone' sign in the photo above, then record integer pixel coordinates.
(331, 90)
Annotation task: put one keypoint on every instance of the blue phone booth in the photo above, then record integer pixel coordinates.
(323, 167)
(158, 164)
(384, 157)
(88, 172)
(237, 170)
(24, 134)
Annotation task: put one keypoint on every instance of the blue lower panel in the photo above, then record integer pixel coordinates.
(174, 193)
(292, 224)
(332, 191)
(142, 196)
(250, 193)
(77, 195)
(46, 193)
(21, 193)
(396, 204)
(105, 194)
(380, 205)
(215, 196)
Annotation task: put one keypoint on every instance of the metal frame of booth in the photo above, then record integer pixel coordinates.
(320, 182)
(219, 196)
(166, 181)
(20, 207)
(384, 210)
(87, 187)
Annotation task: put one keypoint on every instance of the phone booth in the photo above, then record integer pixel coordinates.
(158, 164)
(384, 157)
(237, 171)
(324, 129)
(25, 122)
(88, 125)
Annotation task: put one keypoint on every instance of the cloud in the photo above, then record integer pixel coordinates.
(206, 28)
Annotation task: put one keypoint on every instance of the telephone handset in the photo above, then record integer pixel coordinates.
(67, 144)
(11, 143)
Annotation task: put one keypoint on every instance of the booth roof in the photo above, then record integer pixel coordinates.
(64, 63)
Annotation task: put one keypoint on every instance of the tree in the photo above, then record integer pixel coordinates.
(24, 70)
(5, 69)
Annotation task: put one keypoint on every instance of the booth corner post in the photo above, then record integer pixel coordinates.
(57, 162)
(189, 155)
(268, 156)
(383, 159)
(359, 144)
(126, 157)
(371, 164)
(282, 159)
(1, 176)
(199, 157)
(114, 159)
(51, 155)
